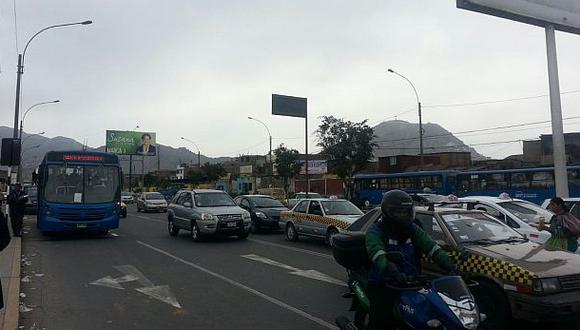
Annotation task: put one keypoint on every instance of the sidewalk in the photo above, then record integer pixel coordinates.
(10, 277)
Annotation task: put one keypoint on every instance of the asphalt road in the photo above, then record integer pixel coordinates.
(217, 284)
(139, 277)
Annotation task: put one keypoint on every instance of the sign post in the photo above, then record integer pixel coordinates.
(291, 106)
(563, 15)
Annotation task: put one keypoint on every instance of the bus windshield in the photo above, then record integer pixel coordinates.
(81, 184)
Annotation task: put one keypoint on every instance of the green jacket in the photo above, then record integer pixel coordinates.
(379, 242)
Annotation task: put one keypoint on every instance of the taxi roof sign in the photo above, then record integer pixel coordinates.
(291, 106)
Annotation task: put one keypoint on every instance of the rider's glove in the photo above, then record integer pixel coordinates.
(392, 272)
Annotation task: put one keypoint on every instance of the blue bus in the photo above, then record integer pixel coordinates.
(533, 184)
(79, 191)
(371, 187)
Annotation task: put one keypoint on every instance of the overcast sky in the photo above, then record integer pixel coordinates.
(199, 68)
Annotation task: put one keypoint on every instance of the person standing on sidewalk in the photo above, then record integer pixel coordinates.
(4, 241)
(17, 202)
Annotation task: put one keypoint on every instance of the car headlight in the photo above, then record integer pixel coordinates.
(246, 216)
(208, 216)
(546, 285)
(261, 215)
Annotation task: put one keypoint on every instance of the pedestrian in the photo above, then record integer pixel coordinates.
(17, 202)
(4, 241)
(564, 227)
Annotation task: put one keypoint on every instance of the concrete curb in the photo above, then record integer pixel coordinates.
(12, 307)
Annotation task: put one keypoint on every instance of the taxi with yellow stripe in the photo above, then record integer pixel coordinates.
(318, 217)
(516, 277)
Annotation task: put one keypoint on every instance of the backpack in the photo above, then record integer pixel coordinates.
(571, 223)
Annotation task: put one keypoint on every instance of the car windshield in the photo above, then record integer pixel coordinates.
(154, 197)
(527, 212)
(213, 199)
(477, 227)
(340, 208)
(81, 184)
(266, 202)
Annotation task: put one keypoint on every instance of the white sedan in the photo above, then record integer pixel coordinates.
(521, 215)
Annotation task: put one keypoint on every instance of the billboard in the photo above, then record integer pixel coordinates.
(563, 14)
(131, 143)
(315, 166)
(291, 106)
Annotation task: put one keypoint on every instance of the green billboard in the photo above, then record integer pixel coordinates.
(131, 143)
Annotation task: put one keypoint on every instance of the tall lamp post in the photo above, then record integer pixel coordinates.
(420, 116)
(198, 152)
(26, 112)
(270, 170)
(20, 69)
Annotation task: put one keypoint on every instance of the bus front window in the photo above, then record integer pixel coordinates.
(81, 184)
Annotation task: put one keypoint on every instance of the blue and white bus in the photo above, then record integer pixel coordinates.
(79, 191)
(371, 187)
(533, 184)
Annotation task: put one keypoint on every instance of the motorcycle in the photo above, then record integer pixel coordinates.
(441, 303)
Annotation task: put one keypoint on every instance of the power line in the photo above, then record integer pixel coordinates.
(466, 104)
(476, 130)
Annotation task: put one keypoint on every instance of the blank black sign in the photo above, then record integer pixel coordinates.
(283, 105)
(10, 155)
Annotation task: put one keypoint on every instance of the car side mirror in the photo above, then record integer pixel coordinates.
(187, 204)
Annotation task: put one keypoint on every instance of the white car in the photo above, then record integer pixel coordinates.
(521, 215)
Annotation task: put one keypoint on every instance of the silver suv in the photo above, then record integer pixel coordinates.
(206, 212)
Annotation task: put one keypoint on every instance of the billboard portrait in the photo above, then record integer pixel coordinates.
(131, 143)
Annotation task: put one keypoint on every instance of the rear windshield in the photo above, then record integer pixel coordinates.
(154, 197)
(266, 202)
(340, 208)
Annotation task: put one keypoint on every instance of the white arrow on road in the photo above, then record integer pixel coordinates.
(311, 274)
(160, 292)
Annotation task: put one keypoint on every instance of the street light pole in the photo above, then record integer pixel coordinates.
(198, 152)
(26, 112)
(271, 169)
(20, 69)
(420, 116)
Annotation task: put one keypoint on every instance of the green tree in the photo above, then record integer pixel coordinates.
(347, 145)
(212, 172)
(287, 164)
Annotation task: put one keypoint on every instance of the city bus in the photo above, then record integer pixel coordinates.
(371, 187)
(534, 184)
(79, 191)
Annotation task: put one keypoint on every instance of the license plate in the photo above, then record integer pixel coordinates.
(232, 224)
(81, 225)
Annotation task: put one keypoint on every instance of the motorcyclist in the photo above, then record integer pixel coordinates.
(396, 232)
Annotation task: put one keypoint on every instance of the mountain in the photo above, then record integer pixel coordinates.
(34, 147)
(398, 137)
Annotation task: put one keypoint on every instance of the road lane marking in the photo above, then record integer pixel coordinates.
(318, 254)
(310, 273)
(160, 292)
(243, 287)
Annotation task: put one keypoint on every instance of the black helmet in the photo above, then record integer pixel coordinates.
(397, 206)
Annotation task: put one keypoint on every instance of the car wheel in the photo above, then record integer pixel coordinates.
(138, 208)
(173, 230)
(291, 233)
(195, 235)
(242, 235)
(124, 215)
(254, 227)
(492, 302)
(329, 234)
